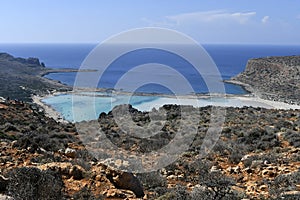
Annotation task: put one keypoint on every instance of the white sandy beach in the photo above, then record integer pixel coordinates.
(49, 111)
(238, 101)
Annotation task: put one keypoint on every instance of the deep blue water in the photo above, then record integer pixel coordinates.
(53, 55)
(230, 60)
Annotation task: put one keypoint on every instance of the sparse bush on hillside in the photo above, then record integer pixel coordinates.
(152, 180)
(215, 183)
(33, 141)
(200, 193)
(293, 137)
(218, 184)
(211, 184)
(284, 183)
(178, 193)
(86, 194)
(230, 149)
(28, 183)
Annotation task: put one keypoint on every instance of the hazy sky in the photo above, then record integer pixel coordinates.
(207, 21)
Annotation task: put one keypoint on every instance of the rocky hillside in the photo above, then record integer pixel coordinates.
(20, 78)
(256, 157)
(274, 78)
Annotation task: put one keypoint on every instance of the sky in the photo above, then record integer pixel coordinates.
(207, 21)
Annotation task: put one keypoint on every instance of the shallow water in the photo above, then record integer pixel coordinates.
(88, 106)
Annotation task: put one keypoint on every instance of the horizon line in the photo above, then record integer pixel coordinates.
(95, 43)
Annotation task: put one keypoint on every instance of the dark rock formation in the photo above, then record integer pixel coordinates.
(274, 78)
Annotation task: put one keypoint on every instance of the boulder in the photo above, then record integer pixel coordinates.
(71, 153)
(125, 180)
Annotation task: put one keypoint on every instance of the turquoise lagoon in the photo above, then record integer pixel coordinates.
(88, 106)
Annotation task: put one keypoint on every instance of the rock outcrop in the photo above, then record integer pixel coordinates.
(273, 78)
(125, 180)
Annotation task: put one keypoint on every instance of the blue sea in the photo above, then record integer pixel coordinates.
(229, 59)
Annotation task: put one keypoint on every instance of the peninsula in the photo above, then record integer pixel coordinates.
(21, 78)
(272, 78)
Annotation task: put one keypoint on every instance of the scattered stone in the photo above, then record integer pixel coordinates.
(71, 153)
(118, 193)
(172, 177)
(180, 177)
(214, 169)
(66, 169)
(257, 164)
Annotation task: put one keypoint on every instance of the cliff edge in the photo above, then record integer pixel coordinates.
(273, 78)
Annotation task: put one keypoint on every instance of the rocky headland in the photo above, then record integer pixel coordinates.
(273, 78)
(21, 78)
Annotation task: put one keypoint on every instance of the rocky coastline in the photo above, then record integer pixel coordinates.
(272, 78)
